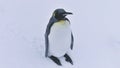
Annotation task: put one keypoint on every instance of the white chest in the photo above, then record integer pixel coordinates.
(60, 28)
(60, 38)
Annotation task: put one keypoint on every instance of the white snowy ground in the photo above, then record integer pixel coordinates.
(95, 24)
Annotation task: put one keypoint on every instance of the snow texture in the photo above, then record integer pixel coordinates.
(95, 25)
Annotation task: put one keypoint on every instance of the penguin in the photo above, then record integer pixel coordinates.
(59, 37)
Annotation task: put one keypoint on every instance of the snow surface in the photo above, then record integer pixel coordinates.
(95, 25)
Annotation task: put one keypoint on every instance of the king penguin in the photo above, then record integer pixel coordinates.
(58, 37)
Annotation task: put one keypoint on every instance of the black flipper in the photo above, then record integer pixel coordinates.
(72, 41)
(56, 60)
(51, 22)
(68, 59)
(72, 38)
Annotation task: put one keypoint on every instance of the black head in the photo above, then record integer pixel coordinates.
(60, 14)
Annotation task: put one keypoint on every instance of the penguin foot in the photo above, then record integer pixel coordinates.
(68, 59)
(56, 60)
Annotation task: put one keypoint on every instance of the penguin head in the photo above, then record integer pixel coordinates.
(60, 14)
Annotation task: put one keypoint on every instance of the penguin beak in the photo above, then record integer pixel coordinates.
(67, 13)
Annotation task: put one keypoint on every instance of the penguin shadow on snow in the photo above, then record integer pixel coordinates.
(58, 61)
(61, 62)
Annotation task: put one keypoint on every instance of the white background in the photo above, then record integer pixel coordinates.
(95, 25)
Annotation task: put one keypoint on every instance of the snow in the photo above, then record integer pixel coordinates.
(95, 25)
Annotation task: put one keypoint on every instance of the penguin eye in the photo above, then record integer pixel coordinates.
(63, 14)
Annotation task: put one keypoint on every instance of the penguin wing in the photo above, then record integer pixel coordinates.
(72, 38)
(72, 41)
(51, 22)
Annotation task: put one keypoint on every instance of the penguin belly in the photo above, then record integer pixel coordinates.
(59, 38)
